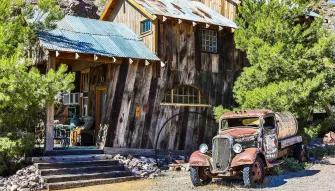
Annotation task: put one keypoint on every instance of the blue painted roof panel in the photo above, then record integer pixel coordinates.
(90, 36)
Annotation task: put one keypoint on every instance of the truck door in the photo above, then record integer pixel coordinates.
(270, 138)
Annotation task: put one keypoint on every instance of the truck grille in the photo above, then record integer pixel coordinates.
(221, 154)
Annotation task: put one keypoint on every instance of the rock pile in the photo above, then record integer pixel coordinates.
(142, 166)
(26, 179)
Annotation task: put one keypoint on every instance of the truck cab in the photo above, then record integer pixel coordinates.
(247, 142)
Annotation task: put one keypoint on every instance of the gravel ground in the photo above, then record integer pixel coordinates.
(319, 177)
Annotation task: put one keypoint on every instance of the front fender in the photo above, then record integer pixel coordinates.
(199, 159)
(247, 157)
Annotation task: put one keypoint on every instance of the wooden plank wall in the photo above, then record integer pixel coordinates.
(227, 8)
(128, 15)
(134, 115)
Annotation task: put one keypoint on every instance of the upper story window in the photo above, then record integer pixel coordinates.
(184, 95)
(209, 40)
(146, 26)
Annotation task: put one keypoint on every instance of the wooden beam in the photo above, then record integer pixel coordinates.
(147, 63)
(87, 58)
(131, 61)
(180, 21)
(207, 25)
(141, 9)
(57, 53)
(162, 64)
(164, 19)
(220, 28)
(77, 56)
(194, 24)
(49, 129)
(108, 8)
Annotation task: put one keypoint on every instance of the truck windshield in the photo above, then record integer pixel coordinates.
(240, 122)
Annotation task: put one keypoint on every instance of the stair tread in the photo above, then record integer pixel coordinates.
(80, 168)
(79, 175)
(74, 162)
(82, 183)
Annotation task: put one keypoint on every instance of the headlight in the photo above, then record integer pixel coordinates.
(203, 148)
(237, 148)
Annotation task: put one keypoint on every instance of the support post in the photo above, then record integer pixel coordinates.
(49, 126)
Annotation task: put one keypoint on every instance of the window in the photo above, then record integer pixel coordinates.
(184, 95)
(145, 26)
(209, 40)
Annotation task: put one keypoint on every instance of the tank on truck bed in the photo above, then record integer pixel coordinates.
(247, 142)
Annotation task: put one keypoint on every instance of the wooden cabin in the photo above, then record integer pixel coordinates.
(149, 78)
(199, 65)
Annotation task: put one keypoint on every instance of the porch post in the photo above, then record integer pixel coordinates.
(49, 128)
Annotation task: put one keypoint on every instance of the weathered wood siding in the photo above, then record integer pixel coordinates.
(227, 8)
(134, 114)
(127, 14)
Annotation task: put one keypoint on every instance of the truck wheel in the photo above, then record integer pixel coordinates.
(300, 153)
(199, 177)
(254, 174)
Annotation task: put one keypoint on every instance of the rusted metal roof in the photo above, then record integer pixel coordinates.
(90, 36)
(247, 113)
(194, 11)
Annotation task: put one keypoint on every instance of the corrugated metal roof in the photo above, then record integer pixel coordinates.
(186, 10)
(90, 36)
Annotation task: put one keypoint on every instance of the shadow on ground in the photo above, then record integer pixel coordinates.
(270, 181)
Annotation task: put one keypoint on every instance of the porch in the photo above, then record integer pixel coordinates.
(91, 49)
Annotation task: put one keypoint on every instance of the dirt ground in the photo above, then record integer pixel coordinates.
(319, 177)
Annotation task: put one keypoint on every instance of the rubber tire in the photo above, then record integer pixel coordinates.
(195, 177)
(300, 153)
(247, 174)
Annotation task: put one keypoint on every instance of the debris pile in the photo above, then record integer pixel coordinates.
(26, 179)
(142, 166)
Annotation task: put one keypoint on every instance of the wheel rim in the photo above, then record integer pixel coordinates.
(256, 172)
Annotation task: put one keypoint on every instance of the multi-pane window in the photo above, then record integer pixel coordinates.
(209, 40)
(146, 26)
(184, 95)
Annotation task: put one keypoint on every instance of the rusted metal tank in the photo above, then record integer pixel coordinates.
(287, 125)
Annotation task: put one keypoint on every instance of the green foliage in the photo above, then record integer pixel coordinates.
(24, 91)
(218, 111)
(291, 59)
(291, 164)
(12, 148)
(318, 128)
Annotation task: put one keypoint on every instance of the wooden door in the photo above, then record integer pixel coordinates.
(101, 96)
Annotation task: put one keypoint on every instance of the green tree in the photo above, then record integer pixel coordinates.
(24, 90)
(291, 58)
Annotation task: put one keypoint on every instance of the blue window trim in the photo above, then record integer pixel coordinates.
(146, 26)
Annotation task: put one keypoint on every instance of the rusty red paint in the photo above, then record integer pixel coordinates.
(239, 132)
(247, 157)
(199, 159)
(247, 113)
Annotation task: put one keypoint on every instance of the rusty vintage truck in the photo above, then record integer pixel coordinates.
(247, 143)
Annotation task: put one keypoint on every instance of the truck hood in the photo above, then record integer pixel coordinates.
(239, 132)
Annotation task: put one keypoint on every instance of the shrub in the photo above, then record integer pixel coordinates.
(291, 164)
(13, 148)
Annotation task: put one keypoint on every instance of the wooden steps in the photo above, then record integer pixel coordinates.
(78, 170)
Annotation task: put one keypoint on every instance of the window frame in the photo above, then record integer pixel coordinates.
(210, 44)
(193, 95)
(142, 25)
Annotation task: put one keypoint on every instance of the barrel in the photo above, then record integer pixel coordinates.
(287, 125)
